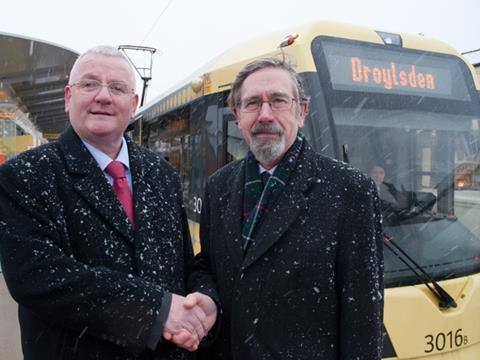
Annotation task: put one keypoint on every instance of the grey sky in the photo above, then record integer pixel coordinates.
(189, 33)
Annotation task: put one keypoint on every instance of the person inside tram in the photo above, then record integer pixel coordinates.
(399, 204)
(393, 201)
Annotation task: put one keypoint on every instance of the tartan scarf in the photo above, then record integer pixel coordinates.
(257, 201)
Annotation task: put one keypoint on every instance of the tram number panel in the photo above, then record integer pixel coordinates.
(445, 341)
(197, 204)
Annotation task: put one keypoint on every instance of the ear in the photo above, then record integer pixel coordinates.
(134, 105)
(303, 111)
(68, 96)
(236, 114)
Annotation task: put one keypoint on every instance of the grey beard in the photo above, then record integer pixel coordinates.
(267, 152)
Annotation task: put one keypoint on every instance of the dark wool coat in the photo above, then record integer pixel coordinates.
(89, 285)
(311, 287)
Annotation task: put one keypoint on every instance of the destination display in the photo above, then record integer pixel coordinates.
(375, 69)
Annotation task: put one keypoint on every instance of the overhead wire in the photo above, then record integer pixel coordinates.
(132, 57)
(156, 21)
(470, 51)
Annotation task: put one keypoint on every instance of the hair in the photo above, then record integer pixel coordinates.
(105, 50)
(376, 164)
(234, 99)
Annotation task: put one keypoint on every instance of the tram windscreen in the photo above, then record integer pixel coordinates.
(422, 150)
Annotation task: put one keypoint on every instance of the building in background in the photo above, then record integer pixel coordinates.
(33, 74)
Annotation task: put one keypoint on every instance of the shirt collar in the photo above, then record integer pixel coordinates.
(261, 169)
(103, 159)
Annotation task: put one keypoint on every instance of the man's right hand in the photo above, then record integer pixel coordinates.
(189, 320)
(186, 324)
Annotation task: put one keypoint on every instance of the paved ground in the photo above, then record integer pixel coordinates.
(9, 329)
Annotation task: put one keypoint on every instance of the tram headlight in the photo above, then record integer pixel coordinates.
(197, 84)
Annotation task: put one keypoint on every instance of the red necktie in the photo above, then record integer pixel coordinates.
(120, 187)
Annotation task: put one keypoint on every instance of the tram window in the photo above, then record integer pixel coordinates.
(236, 146)
(171, 138)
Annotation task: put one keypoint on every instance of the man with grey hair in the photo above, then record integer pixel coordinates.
(94, 239)
(291, 240)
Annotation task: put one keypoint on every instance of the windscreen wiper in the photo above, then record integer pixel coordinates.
(444, 298)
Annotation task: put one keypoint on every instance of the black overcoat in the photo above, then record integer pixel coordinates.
(311, 287)
(89, 285)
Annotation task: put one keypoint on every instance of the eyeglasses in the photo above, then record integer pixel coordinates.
(116, 88)
(277, 103)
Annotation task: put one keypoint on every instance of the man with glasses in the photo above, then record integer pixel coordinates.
(295, 256)
(94, 238)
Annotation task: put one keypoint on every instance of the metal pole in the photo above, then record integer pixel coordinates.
(145, 74)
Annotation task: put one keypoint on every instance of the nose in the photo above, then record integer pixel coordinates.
(266, 113)
(103, 95)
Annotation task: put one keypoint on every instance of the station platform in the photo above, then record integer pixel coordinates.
(10, 348)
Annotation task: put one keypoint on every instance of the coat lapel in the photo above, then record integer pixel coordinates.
(233, 203)
(90, 183)
(144, 197)
(290, 203)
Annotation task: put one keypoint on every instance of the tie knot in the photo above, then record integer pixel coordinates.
(116, 169)
(264, 177)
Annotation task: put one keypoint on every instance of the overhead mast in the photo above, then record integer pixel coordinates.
(145, 73)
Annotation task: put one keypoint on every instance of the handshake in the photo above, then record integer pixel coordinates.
(189, 320)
